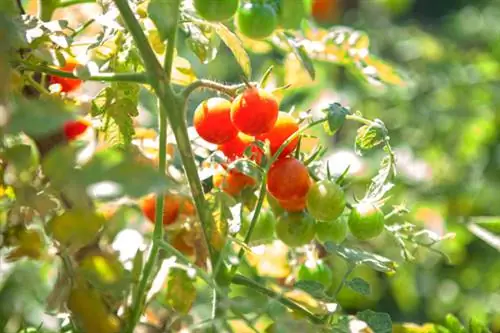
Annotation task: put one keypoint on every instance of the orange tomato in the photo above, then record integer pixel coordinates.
(293, 205)
(288, 179)
(236, 147)
(73, 129)
(254, 111)
(171, 208)
(285, 126)
(212, 121)
(232, 182)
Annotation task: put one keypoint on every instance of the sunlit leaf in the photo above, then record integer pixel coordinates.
(236, 47)
(160, 12)
(300, 52)
(203, 41)
(379, 322)
(356, 256)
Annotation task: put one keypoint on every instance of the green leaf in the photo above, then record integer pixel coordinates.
(37, 118)
(236, 47)
(359, 285)
(21, 156)
(379, 322)
(160, 12)
(336, 114)
(110, 174)
(181, 291)
(75, 228)
(203, 41)
(454, 325)
(313, 288)
(475, 326)
(300, 52)
(370, 136)
(355, 256)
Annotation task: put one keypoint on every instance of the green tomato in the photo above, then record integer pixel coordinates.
(264, 228)
(291, 13)
(325, 200)
(333, 231)
(366, 221)
(295, 229)
(216, 10)
(315, 270)
(256, 20)
(275, 205)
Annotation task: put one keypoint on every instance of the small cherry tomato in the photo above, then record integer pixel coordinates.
(171, 208)
(212, 121)
(75, 128)
(315, 270)
(67, 85)
(235, 148)
(232, 182)
(333, 231)
(264, 228)
(216, 10)
(366, 221)
(285, 126)
(255, 111)
(325, 200)
(295, 229)
(288, 179)
(325, 11)
(256, 20)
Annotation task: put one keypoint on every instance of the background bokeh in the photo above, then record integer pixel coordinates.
(444, 124)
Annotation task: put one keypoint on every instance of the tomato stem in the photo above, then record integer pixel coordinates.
(230, 90)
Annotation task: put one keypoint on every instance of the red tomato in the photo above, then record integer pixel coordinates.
(232, 182)
(254, 111)
(288, 179)
(325, 11)
(212, 121)
(67, 85)
(236, 147)
(285, 126)
(73, 129)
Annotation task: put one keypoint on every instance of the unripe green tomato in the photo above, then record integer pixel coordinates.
(216, 10)
(256, 20)
(366, 221)
(295, 229)
(275, 205)
(325, 200)
(333, 231)
(264, 228)
(315, 270)
(291, 13)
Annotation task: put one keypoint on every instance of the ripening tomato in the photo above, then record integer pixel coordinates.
(325, 200)
(315, 270)
(288, 179)
(171, 208)
(235, 148)
(232, 182)
(67, 85)
(74, 128)
(212, 121)
(366, 221)
(332, 231)
(216, 10)
(255, 111)
(256, 20)
(285, 126)
(295, 229)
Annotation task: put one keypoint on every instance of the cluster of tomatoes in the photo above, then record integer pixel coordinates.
(304, 208)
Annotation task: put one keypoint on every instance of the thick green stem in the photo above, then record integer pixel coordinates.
(104, 77)
(244, 281)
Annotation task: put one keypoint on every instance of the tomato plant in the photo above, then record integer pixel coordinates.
(248, 198)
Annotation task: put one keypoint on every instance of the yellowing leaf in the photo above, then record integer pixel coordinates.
(29, 244)
(236, 47)
(75, 228)
(182, 73)
(181, 291)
